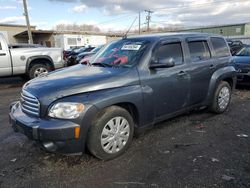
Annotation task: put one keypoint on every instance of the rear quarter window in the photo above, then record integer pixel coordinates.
(220, 47)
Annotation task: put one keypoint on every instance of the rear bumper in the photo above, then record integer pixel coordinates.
(53, 135)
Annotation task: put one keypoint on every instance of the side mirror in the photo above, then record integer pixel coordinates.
(163, 63)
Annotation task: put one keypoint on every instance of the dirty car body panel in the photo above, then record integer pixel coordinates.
(155, 94)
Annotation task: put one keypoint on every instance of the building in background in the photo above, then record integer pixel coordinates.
(68, 40)
(233, 31)
(9, 31)
(42, 37)
(62, 39)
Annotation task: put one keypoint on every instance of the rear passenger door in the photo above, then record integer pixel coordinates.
(202, 67)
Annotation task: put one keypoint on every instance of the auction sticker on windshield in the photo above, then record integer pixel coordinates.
(131, 47)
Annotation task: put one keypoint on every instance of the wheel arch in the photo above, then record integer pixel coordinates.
(131, 108)
(227, 74)
(129, 97)
(231, 82)
(38, 59)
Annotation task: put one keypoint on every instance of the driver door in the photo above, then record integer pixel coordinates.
(170, 85)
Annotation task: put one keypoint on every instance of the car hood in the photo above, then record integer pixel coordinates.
(79, 79)
(242, 60)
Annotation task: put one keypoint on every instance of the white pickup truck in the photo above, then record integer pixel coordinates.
(29, 62)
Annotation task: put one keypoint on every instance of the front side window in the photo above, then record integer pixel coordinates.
(244, 52)
(220, 47)
(199, 51)
(122, 53)
(171, 50)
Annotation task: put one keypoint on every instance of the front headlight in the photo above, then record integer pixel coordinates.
(66, 110)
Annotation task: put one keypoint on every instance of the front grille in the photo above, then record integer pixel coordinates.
(30, 104)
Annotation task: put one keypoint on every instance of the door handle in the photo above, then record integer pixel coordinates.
(2, 54)
(182, 73)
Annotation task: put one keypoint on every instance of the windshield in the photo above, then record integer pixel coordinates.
(244, 52)
(122, 53)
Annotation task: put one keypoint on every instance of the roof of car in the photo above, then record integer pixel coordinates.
(158, 36)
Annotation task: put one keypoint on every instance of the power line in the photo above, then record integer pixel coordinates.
(110, 21)
(191, 7)
(117, 19)
(163, 8)
(149, 12)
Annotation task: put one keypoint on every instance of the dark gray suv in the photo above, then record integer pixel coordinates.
(128, 86)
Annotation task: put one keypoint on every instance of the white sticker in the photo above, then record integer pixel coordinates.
(131, 47)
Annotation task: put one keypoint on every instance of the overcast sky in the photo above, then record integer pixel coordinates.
(119, 14)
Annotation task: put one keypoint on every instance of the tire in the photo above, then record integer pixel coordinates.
(38, 69)
(222, 98)
(104, 143)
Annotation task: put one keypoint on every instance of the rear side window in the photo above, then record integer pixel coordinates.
(171, 50)
(199, 51)
(0, 46)
(220, 47)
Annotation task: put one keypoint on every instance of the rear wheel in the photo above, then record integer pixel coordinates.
(222, 98)
(111, 133)
(38, 69)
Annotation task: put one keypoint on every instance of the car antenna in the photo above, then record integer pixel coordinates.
(125, 35)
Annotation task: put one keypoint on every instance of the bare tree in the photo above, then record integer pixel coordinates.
(75, 27)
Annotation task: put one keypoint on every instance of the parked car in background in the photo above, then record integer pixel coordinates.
(235, 46)
(76, 47)
(30, 62)
(242, 65)
(129, 86)
(67, 52)
(71, 59)
(86, 54)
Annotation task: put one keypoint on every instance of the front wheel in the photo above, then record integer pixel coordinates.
(111, 133)
(221, 98)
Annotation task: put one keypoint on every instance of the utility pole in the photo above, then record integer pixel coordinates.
(27, 21)
(148, 17)
(139, 23)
